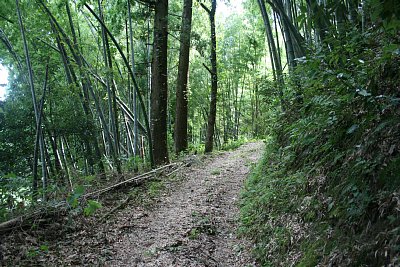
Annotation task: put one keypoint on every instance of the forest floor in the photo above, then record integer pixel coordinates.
(189, 220)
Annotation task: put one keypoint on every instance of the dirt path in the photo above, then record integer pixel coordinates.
(195, 224)
(190, 221)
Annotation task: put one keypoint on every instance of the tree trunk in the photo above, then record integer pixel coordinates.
(86, 87)
(111, 92)
(181, 114)
(35, 106)
(274, 52)
(239, 110)
(214, 80)
(159, 92)
(135, 111)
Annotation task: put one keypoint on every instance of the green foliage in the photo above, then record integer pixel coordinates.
(136, 164)
(216, 172)
(73, 198)
(74, 201)
(154, 188)
(44, 248)
(91, 208)
(196, 148)
(14, 195)
(386, 12)
(16, 136)
(34, 252)
(194, 233)
(325, 190)
(233, 144)
(202, 225)
(270, 194)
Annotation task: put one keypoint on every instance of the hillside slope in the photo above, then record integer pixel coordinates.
(327, 191)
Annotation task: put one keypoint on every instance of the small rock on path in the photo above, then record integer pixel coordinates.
(196, 223)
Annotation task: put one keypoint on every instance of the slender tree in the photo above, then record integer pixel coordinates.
(135, 111)
(274, 54)
(136, 86)
(214, 79)
(35, 106)
(181, 113)
(289, 30)
(111, 92)
(86, 87)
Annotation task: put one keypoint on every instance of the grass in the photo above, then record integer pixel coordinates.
(216, 172)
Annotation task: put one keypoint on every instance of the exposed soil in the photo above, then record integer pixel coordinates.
(192, 221)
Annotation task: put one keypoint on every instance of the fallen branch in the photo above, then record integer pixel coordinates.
(177, 169)
(134, 180)
(24, 220)
(11, 223)
(120, 206)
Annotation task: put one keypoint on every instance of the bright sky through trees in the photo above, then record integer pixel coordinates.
(3, 81)
(224, 11)
(227, 8)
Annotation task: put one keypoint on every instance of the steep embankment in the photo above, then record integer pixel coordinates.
(327, 192)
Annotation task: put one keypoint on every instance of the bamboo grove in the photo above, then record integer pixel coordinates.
(101, 88)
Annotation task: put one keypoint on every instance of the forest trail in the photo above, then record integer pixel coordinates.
(186, 219)
(196, 223)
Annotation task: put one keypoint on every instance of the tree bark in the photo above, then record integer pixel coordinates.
(214, 80)
(159, 92)
(181, 112)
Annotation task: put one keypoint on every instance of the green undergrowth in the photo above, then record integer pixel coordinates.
(234, 144)
(327, 191)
